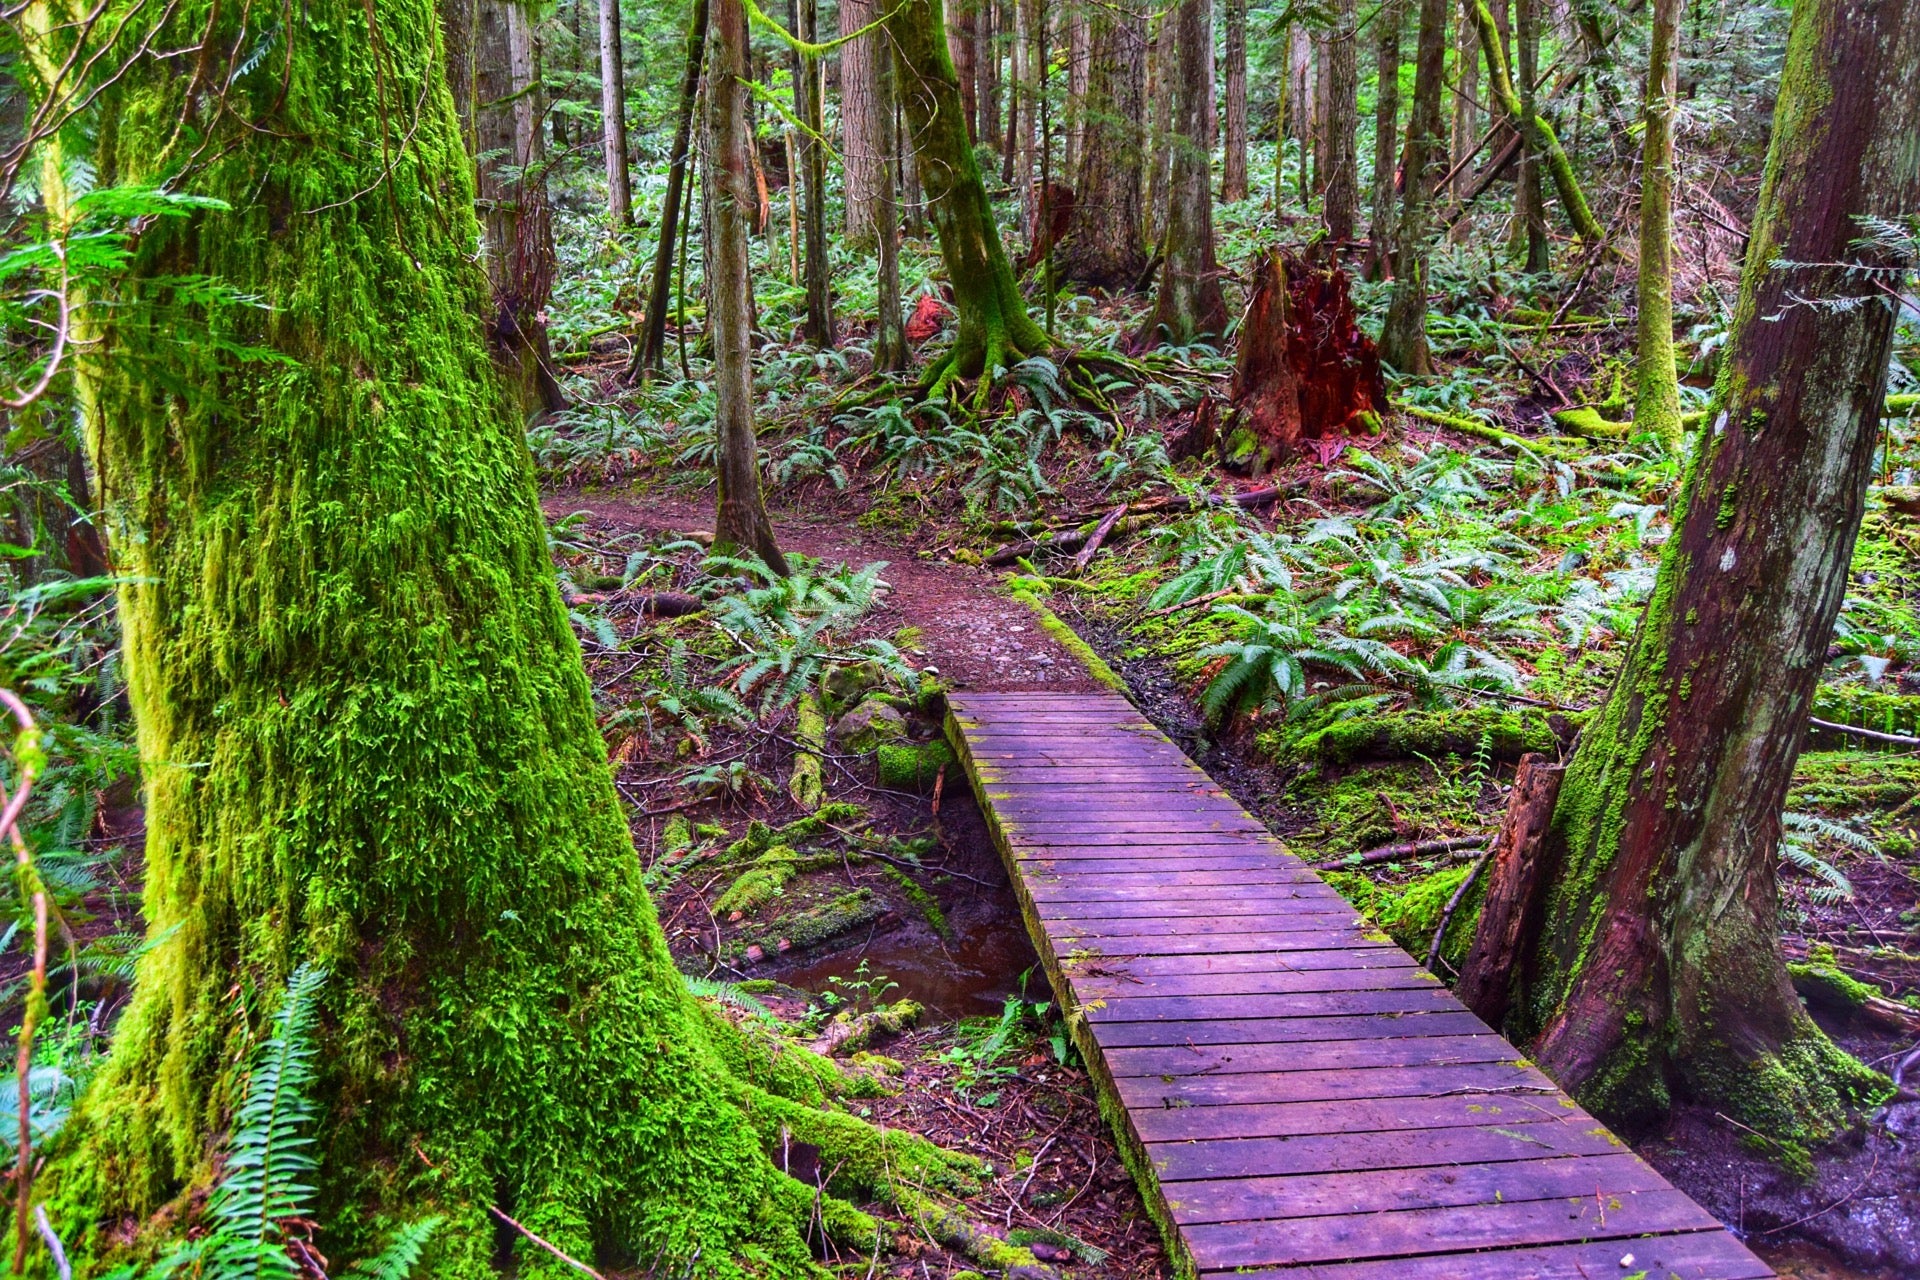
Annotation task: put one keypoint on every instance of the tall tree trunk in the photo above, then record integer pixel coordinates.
(1103, 244)
(986, 60)
(1233, 177)
(653, 336)
(731, 200)
(1466, 106)
(1530, 205)
(1403, 335)
(1322, 100)
(1658, 972)
(963, 43)
(889, 333)
(1388, 23)
(490, 71)
(1026, 167)
(862, 126)
(367, 740)
(992, 326)
(1189, 305)
(1301, 100)
(1656, 383)
(613, 116)
(1013, 40)
(809, 92)
(1160, 98)
(1079, 76)
(1537, 132)
(1341, 204)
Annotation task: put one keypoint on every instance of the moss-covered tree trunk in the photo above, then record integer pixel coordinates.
(1529, 204)
(1539, 135)
(993, 329)
(1103, 244)
(1189, 305)
(367, 739)
(1659, 971)
(731, 198)
(1403, 335)
(1656, 404)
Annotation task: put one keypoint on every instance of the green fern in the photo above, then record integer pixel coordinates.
(1799, 837)
(729, 993)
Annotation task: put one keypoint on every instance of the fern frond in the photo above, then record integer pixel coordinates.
(397, 1260)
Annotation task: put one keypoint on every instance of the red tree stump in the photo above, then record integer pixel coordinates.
(1305, 370)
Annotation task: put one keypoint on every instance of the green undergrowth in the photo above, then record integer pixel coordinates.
(1410, 912)
(1330, 738)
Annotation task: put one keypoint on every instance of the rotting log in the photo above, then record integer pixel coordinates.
(1510, 913)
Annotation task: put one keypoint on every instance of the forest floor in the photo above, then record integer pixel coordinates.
(979, 1071)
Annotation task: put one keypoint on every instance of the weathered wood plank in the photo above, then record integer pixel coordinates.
(1703, 1255)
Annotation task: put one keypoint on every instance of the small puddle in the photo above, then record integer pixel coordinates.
(971, 975)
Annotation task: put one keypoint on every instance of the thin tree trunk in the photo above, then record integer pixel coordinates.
(1026, 167)
(1659, 972)
(1160, 91)
(1013, 40)
(1079, 76)
(1537, 132)
(862, 125)
(613, 116)
(1341, 207)
(986, 57)
(1466, 106)
(992, 327)
(963, 44)
(1233, 178)
(740, 522)
(1403, 335)
(1322, 104)
(1103, 244)
(1301, 99)
(1530, 204)
(653, 336)
(1189, 306)
(1656, 384)
(889, 334)
(809, 93)
(1388, 23)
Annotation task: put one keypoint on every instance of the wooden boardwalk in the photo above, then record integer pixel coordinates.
(1296, 1096)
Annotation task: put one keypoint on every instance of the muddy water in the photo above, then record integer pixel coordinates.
(1801, 1261)
(972, 974)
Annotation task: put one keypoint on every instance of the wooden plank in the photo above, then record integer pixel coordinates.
(1117, 985)
(1702, 1255)
(1355, 1081)
(1395, 1234)
(1444, 1020)
(1127, 880)
(1076, 939)
(1433, 1187)
(1196, 1161)
(1397, 1116)
(1234, 1007)
(1213, 914)
(1108, 844)
(1377, 956)
(1171, 1064)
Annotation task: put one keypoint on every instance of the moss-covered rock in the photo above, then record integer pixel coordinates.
(869, 725)
(912, 766)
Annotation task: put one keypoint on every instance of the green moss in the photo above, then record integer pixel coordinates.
(1823, 985)
(1410, 913)
(1066, 637)
(1509, 733)
(912, 766)
(1841, 782)
(822, 922)
(1793, 1099)
(928, 904)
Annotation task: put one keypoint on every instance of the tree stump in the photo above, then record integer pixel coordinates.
(1305, 370)
(1510, 913)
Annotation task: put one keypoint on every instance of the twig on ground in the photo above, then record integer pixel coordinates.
(1453, 904)
(1405, 849)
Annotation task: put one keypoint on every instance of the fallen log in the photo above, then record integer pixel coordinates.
(1396, 852)
(1140, 516)
(1099, 535)
(1510, 914)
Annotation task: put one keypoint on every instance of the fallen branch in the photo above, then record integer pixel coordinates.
(1099, 535)
(1453, 904)
(1405, 849)
(1874, 734)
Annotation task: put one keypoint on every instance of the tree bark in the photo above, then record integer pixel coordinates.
(986, 66)
(367, 740)
(1388, 24)
(1539, 135)
(653, 337)
(1079, 77)
(1103, 244)
(613, 116)
(1341, 205)
(1466, 106)
(809, 93)
(963, 44)
(1189, 306)
(992, 327)
(490, 70)
(1516, 891)
(1659, 972)
(1026, 165)
(1656, 383)
(1529, 203)
(1403, 335)
(889, 337)
(1233, 177)
(741, 519)
(862, 126)
(1302, 101)
(1160, 98)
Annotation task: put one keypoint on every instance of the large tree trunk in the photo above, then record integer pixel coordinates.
(367, 740)
(992, 326)
(809, 93)
(1656, 384)
(1190, 305)
(1539, 135)
(741, 520)
(1341, 204)
(653, 336)
(1160, 101)
(490, 70)
(1386, 134)
(1103, 244)
(1659, 971)
(1403, 335)
(889, 333)
(613, 115)
(862, 125)
(1233, 176)
(1302, 101)
(1027, 72)
(1079, 76)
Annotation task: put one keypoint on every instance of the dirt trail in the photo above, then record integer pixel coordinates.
(976, 636)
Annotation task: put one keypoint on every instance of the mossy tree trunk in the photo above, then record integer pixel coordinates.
(1529, 205)
(1403, 335)
(731, 197)
(889, 333)
(993, 329)
(367, 739)
(1189, 305)
(1103, 243)
(1659, 973)
(1656, 405)
(1539, 135)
